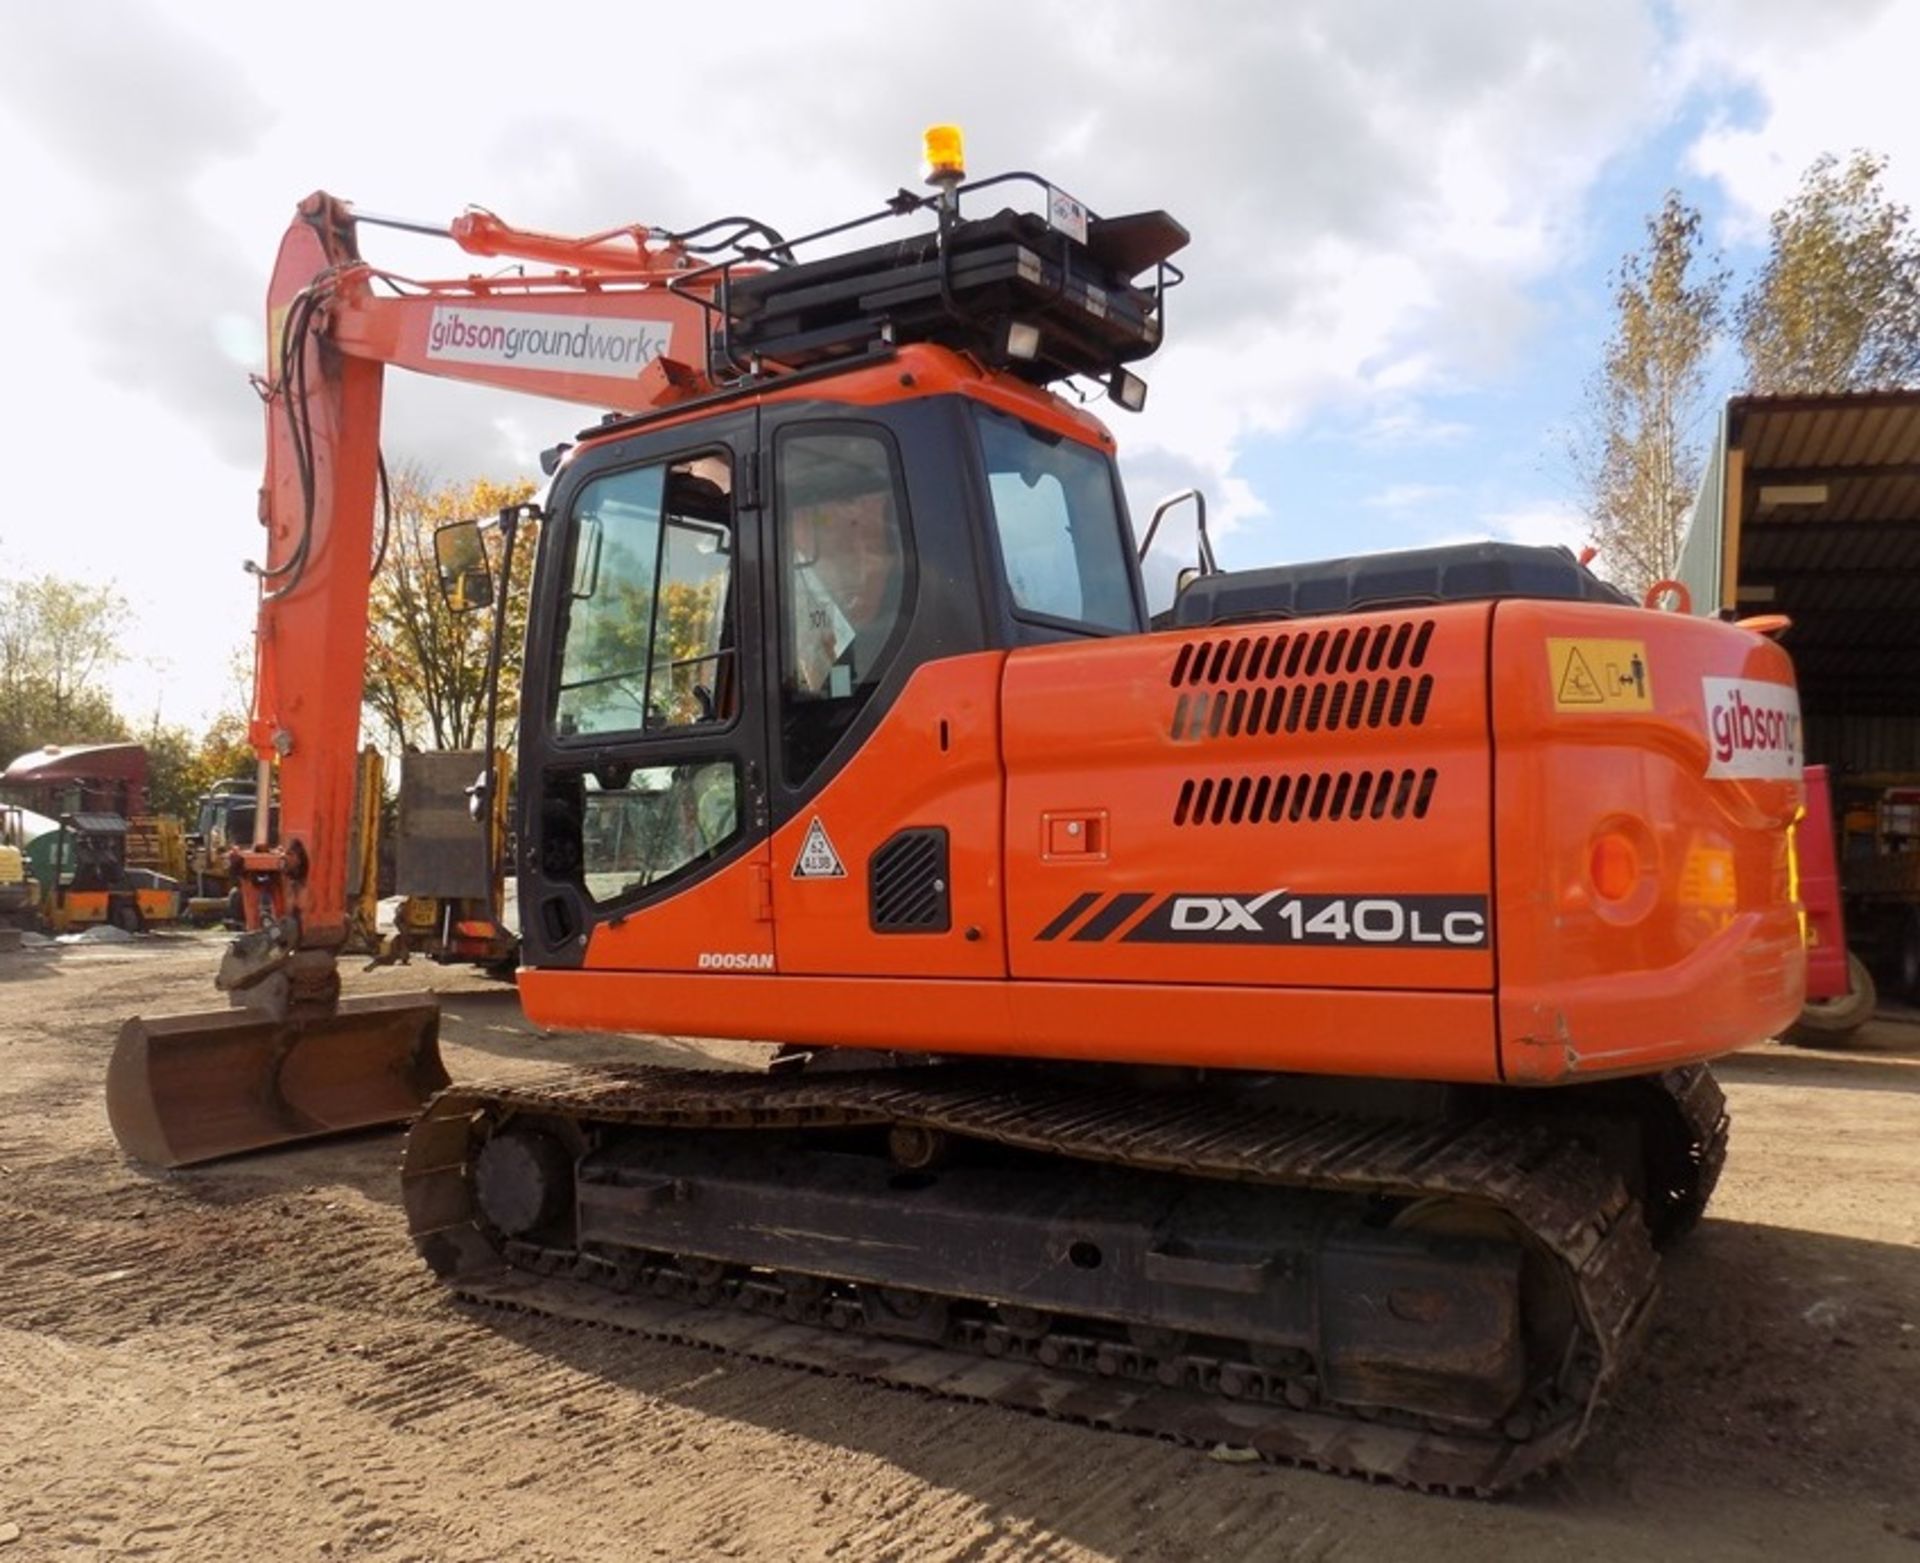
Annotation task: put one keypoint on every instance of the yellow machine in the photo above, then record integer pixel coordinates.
(18, 898)
(448, 866)
(89, 882)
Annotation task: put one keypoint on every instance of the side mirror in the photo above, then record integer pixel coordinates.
(1208, 566)
(480, 796)
(466, 576)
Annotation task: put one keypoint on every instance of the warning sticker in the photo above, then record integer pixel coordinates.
(1599, 675)
(817, 859)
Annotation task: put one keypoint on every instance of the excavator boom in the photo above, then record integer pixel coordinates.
(630, 321)
(290, 1060)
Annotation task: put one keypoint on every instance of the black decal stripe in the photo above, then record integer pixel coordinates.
(1112, 915)
(1066, 919)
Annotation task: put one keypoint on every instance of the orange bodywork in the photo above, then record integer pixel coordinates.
(1509, 881)
(1421, 843)
(1702, 952)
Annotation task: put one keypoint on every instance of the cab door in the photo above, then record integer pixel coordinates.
(883, 719)
(642, 804)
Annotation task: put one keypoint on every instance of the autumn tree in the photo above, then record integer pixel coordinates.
(58, 641)
(1836, 307)
(426, 665)
(628, 668)
(182, 767)
(1639, 449)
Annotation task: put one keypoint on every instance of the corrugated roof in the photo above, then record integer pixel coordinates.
(1845, 567)
(1852, 428)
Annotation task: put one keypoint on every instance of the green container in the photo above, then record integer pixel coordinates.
(39, 856)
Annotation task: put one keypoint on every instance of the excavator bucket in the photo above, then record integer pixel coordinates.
(183, 1089)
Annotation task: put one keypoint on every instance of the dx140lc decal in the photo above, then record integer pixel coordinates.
(1457, 922)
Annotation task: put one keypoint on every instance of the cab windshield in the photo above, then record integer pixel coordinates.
(1059, 524)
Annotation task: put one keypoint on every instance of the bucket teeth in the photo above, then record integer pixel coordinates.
(183, 1089)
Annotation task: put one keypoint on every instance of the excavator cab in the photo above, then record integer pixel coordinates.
(707, 652)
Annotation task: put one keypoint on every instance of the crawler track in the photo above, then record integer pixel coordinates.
(1571, 1206)
(1686, 1112)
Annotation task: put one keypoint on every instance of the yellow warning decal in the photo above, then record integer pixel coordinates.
(1599, 675)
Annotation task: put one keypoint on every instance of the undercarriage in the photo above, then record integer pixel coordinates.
(1437, 1292)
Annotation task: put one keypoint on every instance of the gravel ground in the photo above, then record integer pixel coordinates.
(249, 1362)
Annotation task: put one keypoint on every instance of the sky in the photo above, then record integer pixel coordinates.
(1405, 218)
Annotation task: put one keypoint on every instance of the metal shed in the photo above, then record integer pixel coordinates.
(1810, 508)
(1829, 534)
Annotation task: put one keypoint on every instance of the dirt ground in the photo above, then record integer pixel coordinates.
(249, 1362)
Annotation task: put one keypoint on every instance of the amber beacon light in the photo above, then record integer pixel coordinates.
(945, 155)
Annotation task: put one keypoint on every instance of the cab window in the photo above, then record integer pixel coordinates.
(1059, 525)
(846, 577)
(651, 823)
(648, 643)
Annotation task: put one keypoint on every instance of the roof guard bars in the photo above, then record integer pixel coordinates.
(780, 252)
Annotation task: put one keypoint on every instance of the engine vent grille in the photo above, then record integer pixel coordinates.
(1304, 653)
(1294, 681)
(907, 883)
(1291, 797)
(1323, 705)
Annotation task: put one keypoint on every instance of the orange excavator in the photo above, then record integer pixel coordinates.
(1282, 1023)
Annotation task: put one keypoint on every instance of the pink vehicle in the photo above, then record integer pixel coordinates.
(1840, 992)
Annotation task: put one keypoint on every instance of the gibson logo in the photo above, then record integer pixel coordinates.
(1753, 729)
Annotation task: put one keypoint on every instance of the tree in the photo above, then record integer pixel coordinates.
(181, 768)
(1836, 307)
(1638, 454)
(426, 664)
(169, 766)
(58, 639)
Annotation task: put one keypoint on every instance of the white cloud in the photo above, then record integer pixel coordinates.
(1400, 423)
(1547, 523)
(154, 280)
(1409, 496)
(1538, 524)
(1373, 189)
(1827, 78)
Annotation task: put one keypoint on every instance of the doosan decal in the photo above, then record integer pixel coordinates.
(1753, 729)
(525, 340)
(735, 960)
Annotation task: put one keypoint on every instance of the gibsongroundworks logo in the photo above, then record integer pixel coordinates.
(1753, 729)
(539, 341)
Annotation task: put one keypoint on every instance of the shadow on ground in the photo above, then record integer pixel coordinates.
(1780, 1361)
